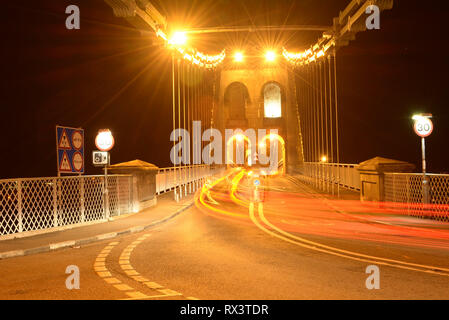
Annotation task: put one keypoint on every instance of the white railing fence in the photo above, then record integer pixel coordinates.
(404, 193)
(185, 179)
(32, 204)
(328, 176)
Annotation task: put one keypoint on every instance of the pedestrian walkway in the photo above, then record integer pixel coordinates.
(165, 209)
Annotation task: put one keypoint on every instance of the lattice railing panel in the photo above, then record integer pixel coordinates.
(38, 204)
(69, 204)
(42, 203)
(9, 213)
(405, 194)
(113, 197)
(93, 199)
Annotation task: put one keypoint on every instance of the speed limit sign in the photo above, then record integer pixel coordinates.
(423, 127)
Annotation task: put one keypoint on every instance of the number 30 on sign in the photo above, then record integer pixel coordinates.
(423, 127)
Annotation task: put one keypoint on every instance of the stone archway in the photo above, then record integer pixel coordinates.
(236, 100)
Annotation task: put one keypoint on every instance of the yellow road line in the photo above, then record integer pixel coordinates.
(112, 280)
(136, 295)
(134, 275)
(102, 271)
(154, 296)
(123, 287)
(153, 285)
(332, 250)
(339, 252)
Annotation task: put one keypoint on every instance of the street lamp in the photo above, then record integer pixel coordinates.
(178, 38)
(270, 56)
(238, 57)
(423, 127)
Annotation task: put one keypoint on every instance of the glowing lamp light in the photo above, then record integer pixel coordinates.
(104, 140)
(178, 39)
(238, 57)
(270, 56)
(421, 116)
(239, 137)
(323, 159)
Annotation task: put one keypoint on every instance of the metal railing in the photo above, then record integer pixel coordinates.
(31, 204)
(325, 176)
(404, 193)
(185, 179)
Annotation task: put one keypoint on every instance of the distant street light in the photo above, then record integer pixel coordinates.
(238, 57)
(178, 39)
(323, 159)
(270, 56)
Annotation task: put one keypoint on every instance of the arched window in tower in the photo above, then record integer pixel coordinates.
(272, 101)
(236, 99)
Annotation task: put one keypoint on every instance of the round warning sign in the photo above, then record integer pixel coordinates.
(77, 140)
(104, 140)
(423, 127)
(78, 161)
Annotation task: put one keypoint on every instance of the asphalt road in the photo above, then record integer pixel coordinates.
(294, 244)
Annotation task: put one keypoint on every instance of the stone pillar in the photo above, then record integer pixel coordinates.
(372, 176)
(144, 182)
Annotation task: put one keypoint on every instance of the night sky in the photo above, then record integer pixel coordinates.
(107, 75)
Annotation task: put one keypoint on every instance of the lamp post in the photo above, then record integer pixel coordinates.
(423, 127)
(105, 142)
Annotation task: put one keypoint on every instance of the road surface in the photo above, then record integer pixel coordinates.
(283, 242)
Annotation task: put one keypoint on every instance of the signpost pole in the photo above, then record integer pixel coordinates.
(423, 127)
(104, 141)
(425, 186)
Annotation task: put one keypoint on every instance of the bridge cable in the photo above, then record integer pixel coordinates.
(179, 123)
(326, 124)
(184, 126)
(336, 119)
(174, 120)
(320, 69)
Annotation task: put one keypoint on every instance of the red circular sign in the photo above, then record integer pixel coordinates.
(104, 140)
(78, 161)
(77, 140)
(423, 127)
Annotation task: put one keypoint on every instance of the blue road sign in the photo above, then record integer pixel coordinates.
(70, 150)
(256, 182)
